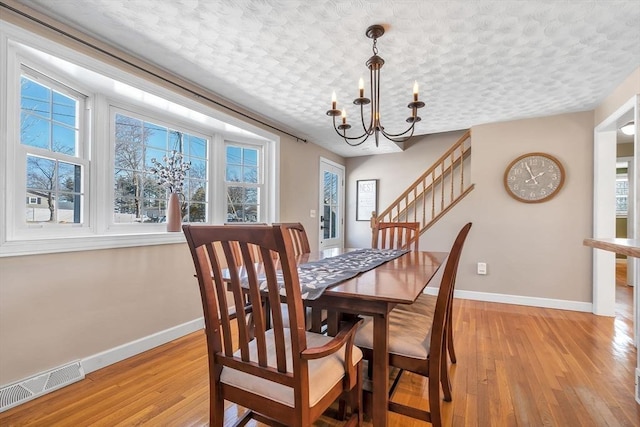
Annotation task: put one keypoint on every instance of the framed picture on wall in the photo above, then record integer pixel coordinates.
(366, 198)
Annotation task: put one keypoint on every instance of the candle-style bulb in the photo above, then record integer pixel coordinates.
(344, 116)
(361, 87)
(333, 100)
(415, 91)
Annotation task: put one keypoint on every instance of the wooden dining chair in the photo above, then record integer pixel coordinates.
(283, 376)
(417, 345)
(425, 305)
(315, 319)
(395, 235)
(298, 237)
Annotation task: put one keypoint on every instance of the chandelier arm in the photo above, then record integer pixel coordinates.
(347, 138)
(398, 137)
(387, 134)
(366, 129)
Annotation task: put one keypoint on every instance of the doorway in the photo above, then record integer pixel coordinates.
(331, 204)
(605, 158)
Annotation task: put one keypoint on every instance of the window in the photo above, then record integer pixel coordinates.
(138, 197)
(622, 192)
(51, 149)
(79, 143)
(243, 183)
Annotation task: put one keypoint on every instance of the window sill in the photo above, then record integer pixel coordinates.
(74, 244)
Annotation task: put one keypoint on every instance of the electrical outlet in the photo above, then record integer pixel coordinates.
(482, 268)
(312, 213)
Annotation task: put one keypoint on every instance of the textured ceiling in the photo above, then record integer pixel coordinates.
(476, 61)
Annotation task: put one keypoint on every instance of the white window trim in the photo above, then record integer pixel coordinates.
(19, 230)
(98, 235)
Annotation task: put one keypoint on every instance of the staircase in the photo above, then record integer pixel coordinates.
(434, 193)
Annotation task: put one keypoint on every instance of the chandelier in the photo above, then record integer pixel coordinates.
(374, 127)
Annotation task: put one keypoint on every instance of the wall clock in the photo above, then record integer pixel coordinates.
(534, 177)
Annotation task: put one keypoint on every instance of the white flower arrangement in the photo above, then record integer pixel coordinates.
(171, 174)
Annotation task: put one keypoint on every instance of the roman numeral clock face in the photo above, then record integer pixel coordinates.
(534, 177)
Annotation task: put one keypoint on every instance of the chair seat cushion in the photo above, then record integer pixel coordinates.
(409, 334)
(424, 304)
(324, 373)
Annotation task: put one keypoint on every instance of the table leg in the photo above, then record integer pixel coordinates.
(380, 369)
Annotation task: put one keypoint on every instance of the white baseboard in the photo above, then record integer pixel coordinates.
(519, 300)
(116, 354)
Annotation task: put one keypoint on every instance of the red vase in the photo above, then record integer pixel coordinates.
(174, 218)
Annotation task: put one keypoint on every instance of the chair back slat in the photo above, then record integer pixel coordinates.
(395, 235)
(209, 255)
(238, 294)
(209, 298)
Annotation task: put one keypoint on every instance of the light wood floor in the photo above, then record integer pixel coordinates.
(517, 366)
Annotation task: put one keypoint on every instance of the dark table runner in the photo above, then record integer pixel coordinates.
(317, 276)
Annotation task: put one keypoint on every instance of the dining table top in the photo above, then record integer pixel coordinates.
(398, 281)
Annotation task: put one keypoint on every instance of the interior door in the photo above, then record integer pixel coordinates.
(331, 207)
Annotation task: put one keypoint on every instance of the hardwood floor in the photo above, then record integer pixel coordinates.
(517, 366)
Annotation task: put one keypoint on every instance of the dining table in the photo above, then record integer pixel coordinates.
(375, 293)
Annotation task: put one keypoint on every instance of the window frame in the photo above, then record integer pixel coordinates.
(16, 227)
(119, 107)
(20, 46)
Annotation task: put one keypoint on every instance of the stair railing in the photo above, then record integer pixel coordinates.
(436, 191)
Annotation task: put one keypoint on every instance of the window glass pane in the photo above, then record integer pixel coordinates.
(35, 98)
(234, 173)
(197, 212)
(176, 141)
(234, 155)
(251, 174)
(68, 177)
(34, 131)
(197, 147)
(40, 173)
(251, 196)
(154, 211)
(242, 204)
(55, 186)
(250, 157)
(64, 140)
(48, 119)
(198, 169)
(64, 109)
(155, 136)
(152, 153)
